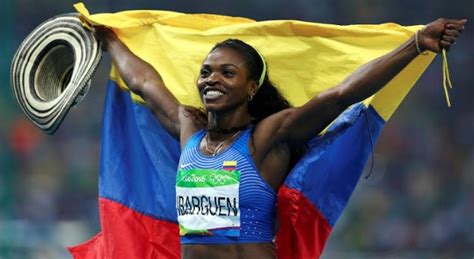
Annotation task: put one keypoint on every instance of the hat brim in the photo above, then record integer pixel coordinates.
(52, 68)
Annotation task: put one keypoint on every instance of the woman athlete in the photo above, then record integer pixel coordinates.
(249, 129)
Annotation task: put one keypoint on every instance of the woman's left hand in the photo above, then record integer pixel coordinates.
(440, 34)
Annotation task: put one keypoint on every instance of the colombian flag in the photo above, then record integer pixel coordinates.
(229, 165)
(139, 159)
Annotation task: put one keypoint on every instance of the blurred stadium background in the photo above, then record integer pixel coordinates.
(418, 203)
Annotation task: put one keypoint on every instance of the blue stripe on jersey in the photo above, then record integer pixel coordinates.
(257, 199)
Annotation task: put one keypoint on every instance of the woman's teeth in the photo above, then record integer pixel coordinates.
(212, 94)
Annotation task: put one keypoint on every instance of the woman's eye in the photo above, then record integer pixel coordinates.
(204, 73)
(228, 73)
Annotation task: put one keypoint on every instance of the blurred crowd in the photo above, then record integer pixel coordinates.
(417, 203)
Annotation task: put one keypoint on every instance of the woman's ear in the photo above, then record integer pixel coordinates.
(253, 88)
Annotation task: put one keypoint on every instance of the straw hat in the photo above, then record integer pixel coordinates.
(52, 68)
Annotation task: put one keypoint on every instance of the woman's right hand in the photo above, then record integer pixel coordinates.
(103, 34)
(142, 79)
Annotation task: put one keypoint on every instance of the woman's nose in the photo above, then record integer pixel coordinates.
(213, 78)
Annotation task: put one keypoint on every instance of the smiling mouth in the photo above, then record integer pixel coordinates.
(212, 94)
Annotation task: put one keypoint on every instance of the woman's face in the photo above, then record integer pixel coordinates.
(223, 82)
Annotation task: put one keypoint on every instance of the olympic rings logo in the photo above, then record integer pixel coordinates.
(219, 179)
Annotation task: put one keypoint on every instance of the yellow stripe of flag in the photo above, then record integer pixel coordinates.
(303, 58)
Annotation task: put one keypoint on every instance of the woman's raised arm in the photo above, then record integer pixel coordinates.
(144, 80)
(298, 125)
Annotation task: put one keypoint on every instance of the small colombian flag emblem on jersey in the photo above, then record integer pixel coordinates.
(229, 165)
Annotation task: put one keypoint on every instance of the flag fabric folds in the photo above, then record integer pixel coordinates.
(139, 159)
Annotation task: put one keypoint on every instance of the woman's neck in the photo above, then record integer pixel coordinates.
(221, 124)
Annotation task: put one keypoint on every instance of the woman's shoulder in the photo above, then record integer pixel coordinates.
(267, 135)
(192, 120)
(269, 127)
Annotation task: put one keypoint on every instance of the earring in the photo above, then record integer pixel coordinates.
(250, 97)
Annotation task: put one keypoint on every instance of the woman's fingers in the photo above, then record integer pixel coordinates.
(103, 34)
(445, 45)
(452, 32)
(442, 33)
(449, 39)
(455, 26)
(460, 21)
